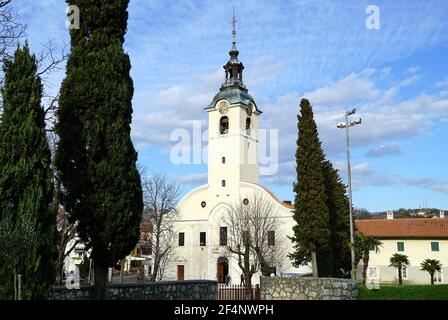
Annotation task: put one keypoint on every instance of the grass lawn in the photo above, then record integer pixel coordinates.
(405, 292)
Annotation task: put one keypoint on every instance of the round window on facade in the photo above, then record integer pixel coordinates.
(246, 201)
(203, 204)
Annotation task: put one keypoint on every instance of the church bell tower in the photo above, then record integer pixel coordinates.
(233, 131)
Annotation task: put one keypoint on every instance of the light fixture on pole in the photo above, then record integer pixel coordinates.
(346, 126)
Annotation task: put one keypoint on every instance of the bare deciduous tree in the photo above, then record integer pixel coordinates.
(49, 60)
(160, 196)
(11, 30)
(253, 236)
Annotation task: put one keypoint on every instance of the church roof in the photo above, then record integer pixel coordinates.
(233, 95)
(286, 205)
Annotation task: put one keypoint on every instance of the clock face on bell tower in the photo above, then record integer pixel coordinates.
(223, 107)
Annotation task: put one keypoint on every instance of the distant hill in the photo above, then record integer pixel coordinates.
(402, 213)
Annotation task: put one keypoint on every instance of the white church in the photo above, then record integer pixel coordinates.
(233, 176)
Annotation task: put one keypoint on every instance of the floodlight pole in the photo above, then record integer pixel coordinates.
(349, 173)
(347, 125)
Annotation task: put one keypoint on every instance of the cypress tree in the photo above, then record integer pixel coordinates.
(95, 155)
(311, 233)
(27, 222)
(339, 219)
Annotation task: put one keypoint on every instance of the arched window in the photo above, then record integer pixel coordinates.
(224, 125)
(223, 160)
(248, 126)
(223, 183)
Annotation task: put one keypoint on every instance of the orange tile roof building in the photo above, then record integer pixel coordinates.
(405, 228)
(419, 239)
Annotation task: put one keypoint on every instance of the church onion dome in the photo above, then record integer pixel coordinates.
(233, 96)
(233, 89)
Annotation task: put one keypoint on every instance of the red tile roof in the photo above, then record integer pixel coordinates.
(286, 205)
(404, 228)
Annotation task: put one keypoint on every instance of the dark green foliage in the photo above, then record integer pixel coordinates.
(84, 268)
(363, 245)
(27, 222)
(311, 213)
(325, 260)
(339, 219)
(431, 266)
(95, 156)
(399, 261)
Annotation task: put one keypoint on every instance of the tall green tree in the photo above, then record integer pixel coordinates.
(95, 155)
(27, 222)
(399, 261)
(311, 232)
(339, 219)
(431, 266)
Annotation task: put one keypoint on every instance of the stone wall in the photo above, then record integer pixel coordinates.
(304, 288)
(163, 290)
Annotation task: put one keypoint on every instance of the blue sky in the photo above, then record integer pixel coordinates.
(397, 77)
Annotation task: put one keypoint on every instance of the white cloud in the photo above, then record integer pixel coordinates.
(194, 178)
(364, 175)
(351, 88)
(384, 150)
(428, 183)
(385, 122)
(410, 80)
(413, 69)
(442, 84)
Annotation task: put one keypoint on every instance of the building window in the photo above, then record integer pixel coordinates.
(438, 277)
(246, 201)
(404, 272)
(223, 183)
(372, 272)
(181, 239)
(223, 160)
(224, 125)
(248, 126)
(400, 246)
(146, 250)
(203, 204)
(223, 236)
(202, 239)
(435, 246)
(271, 238)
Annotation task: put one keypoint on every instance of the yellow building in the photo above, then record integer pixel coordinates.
(419, 239)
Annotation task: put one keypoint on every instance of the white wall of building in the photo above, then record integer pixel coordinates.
(417, 250)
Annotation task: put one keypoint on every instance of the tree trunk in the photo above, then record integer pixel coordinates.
(365, 265)
(19, 287)
(314, 264)
(400, 280)
(15, 284)
(155, 269)
(248, 283)
(100, 281)
(121, 271)
(432, 278)
(156, 265)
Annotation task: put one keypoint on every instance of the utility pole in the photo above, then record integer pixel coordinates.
(346, 126)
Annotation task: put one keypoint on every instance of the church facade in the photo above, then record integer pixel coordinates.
(233, 177)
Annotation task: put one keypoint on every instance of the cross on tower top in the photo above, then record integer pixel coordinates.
(234, 21)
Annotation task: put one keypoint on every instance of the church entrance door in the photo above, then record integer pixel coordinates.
(223, 269)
